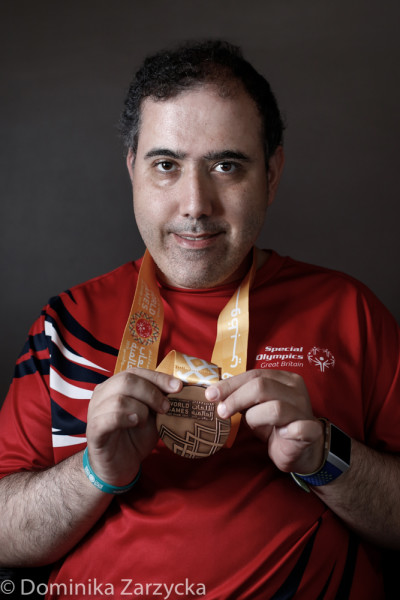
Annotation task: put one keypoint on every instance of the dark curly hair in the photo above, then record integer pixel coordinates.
(170, 72)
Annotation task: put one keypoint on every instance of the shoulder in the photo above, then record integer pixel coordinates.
(97, 292)
(95, 311)
(313, 286)
(322, 278)
(121, 278)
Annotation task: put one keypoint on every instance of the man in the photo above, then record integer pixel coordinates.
(110, 503)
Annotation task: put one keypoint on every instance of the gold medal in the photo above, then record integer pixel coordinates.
(192, 427)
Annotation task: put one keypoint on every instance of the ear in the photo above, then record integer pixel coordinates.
(130, 161)
(275, 168)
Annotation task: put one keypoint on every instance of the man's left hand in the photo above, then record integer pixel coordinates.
(277, 407)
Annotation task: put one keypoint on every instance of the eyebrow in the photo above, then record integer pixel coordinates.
(165, 152)
(227, 155)
(218, 155)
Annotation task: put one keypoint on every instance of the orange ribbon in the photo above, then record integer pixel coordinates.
(142, 335)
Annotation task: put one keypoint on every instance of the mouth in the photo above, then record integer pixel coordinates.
(196, 241)
(194, 237)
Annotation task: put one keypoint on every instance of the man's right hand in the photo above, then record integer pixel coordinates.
(121, 429)
(60, 502)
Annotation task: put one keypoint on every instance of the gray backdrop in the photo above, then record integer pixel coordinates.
(65, 195)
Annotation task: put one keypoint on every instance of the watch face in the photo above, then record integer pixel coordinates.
(340, 444)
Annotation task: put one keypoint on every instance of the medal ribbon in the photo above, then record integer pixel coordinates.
(142, 335)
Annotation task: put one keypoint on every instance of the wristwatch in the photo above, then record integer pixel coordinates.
(336, 458)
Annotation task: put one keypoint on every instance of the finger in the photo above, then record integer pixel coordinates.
(260, 390)
(140, 385)
(117, 414)
(133, 414)
(222, 389)
(165, 382)
(275, 413)
(298, 447)
(307, 431)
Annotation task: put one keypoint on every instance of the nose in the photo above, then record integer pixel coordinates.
(196, 194)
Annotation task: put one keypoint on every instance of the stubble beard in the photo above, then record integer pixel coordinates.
(202, 268)
(205, 268)
(194, 269)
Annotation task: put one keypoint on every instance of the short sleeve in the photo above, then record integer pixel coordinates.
(381, 377)
(25, 417)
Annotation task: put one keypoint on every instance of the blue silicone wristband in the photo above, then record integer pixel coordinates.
(102, 485)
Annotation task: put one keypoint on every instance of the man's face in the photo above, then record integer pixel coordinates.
(200, 185)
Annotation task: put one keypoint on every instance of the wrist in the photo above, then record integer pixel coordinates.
(336, 459)
(101, 485)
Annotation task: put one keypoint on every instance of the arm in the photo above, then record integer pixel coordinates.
(367, 496)
(44, 514)
(278, 409)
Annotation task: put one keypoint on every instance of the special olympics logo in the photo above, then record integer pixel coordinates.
(321, 358)
(143, 328)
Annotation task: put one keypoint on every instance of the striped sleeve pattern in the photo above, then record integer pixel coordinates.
(55, 375)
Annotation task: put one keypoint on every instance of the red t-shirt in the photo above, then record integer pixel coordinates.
(230, 526)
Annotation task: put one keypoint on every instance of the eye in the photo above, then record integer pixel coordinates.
(165, 166)
(226, 167)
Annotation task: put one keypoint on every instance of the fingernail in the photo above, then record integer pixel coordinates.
(212, 393)
(222, 410)
(134, 419)
(174, 384)
(165, 406)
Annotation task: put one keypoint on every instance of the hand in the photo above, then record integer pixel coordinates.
(276, 406)
(121, 428)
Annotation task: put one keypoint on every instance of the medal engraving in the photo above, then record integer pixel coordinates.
(192, 427)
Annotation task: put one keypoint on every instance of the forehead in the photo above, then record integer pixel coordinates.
(201, 119)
